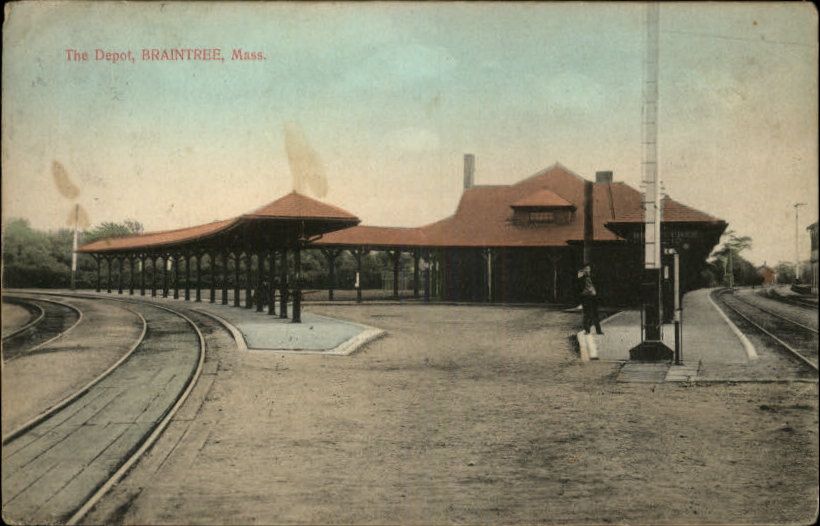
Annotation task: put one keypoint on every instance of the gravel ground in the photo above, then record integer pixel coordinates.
(34, 382)
(14, 317)
(473, 415)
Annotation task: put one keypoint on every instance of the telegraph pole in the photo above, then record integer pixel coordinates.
(74, 248)
(797, 240)
(652, 347)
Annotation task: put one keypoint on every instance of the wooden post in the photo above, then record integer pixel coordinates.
(131, 275)
(175, 277)
(164, 276)
(297, 286)
(108, 264)
(555, 258)
(260, 273)
(237, 258)
(198, 258)
(224, 277)
(416, 257)
(249, 280)
(396, 256)
(283, 285)
(187, 256)
(272, 283)
(427, 264)
(98, 259)
(212, 261)
(153, 276)
(142, 274)
(331, 255)
(119, 274)
(358, 254)
(488, 255)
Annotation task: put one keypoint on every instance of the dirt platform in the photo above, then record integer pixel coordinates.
(476, 415)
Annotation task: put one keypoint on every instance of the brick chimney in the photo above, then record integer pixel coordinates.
(604, 177)
(469, 170)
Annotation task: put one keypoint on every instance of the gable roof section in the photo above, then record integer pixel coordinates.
(298, 206)
(628, 208)
(483, 216)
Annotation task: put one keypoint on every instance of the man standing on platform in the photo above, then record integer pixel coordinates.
(589, 300)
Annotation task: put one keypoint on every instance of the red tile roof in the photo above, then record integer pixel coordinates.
(293, 206)
(542, 199)
(298, 206)
(375, 236)
(630, 209)
(484, 213)
(482, 219)
(155, 239)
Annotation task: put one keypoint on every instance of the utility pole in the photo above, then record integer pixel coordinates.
(74, 248)
(797, 240)
(652, 347)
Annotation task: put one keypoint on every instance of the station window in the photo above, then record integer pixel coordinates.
(542, 217)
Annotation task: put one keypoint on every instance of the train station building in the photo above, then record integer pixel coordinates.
(515, 243)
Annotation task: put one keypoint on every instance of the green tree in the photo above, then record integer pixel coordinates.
(36, 258)
(784, 272)
(735, 268)
(108, 229)
(32, 258)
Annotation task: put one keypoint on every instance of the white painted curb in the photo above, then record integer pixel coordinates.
(586, 342)
(751, 353)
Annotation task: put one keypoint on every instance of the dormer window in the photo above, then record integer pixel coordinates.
(543, 207)
(542, 217)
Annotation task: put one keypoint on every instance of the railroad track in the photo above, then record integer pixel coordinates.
(60, 464)
(798, 339)
(55, 319)
(791, 300)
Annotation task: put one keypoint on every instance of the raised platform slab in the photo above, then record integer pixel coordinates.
(316, 334)
(708, 336)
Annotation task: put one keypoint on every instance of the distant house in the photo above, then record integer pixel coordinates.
(767, 273)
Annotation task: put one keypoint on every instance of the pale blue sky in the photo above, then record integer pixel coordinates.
(391, 96)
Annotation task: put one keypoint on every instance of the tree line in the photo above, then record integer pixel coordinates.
(727, 267)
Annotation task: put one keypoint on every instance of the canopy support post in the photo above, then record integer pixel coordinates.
(237, 259)
(131, 275)
(198, 258)
(283, 284)
(272, 283)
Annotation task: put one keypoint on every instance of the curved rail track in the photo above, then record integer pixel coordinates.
(798, 339)
(58, 466)
(35, 311)
(57, 319)
(791, 299)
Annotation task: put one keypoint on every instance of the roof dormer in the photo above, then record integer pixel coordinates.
(542, 207)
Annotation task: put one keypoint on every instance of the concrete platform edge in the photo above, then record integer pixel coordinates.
(346, 348)
(751, 353)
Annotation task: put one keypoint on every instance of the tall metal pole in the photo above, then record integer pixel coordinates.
(652, 347)
(797, 240)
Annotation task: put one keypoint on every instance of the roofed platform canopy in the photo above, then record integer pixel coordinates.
(241, 251)
(292, 219)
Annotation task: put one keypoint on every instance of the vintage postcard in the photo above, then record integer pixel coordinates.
(409, 263)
